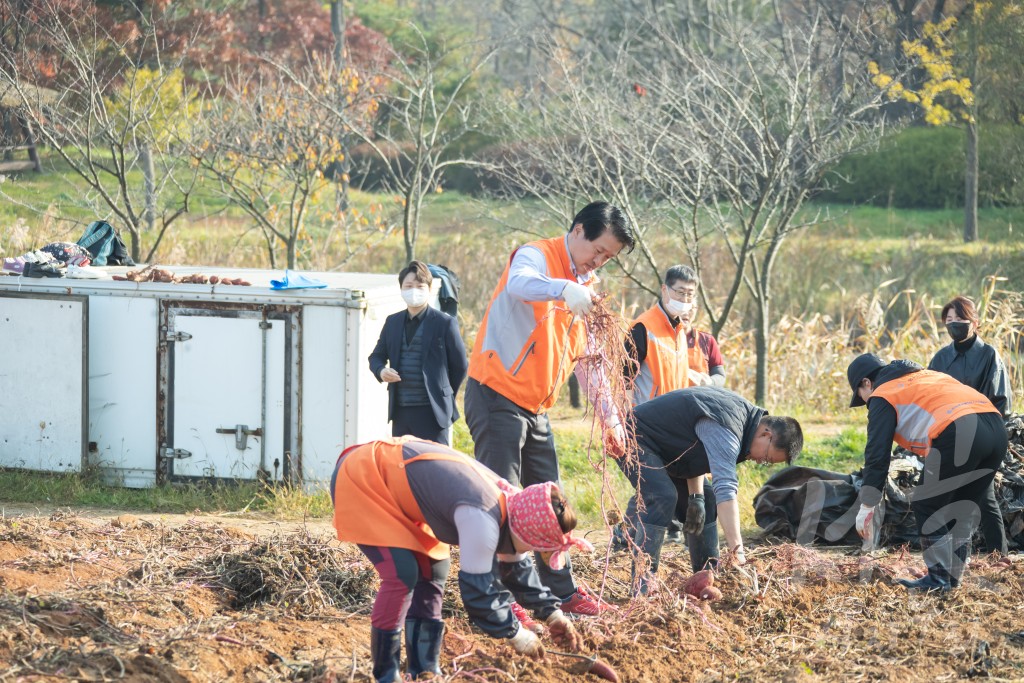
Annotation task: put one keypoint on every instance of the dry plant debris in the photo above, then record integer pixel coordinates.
(130, 600)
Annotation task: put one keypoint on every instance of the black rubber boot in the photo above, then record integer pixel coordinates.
(648, 540)
(423, 646)
(386, 650)
(938, 556)
(704, 547)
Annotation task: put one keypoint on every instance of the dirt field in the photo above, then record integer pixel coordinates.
(96, 597)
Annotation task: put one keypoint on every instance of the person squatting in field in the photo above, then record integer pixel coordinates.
(423, 497)
(531, 339)
(680, 437)
(665, 352)
(978, 365)
(961, 437)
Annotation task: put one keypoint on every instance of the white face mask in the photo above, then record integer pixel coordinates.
(678, 308)
(415, 297)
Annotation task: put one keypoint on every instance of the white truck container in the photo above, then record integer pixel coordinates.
(156, 382)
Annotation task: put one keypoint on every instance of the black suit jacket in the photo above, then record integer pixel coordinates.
(444, 361)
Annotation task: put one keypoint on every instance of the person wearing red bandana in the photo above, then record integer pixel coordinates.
(423, 497)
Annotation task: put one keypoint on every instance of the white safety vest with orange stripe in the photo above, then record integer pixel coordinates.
(525, 350)
(926, 402)
(664, 368)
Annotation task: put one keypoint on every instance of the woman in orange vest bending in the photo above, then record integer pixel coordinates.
(403, 501)
(961, 437)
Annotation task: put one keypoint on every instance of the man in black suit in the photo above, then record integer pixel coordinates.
(421, 356)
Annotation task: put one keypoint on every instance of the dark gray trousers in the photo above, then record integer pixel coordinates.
(518, 445)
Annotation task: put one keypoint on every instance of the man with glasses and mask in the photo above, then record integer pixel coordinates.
(666, 353)
(680, 437)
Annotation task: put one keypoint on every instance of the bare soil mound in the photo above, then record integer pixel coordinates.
(131, 599)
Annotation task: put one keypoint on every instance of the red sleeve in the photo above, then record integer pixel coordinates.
(711, 351)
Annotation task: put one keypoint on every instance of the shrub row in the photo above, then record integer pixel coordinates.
(917, 168)
(923, 168)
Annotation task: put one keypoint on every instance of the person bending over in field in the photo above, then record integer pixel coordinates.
(961, 437)
(403, 501)
(682, 436)
(666, 353)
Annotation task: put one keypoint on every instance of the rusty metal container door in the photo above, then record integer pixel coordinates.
(228, 389)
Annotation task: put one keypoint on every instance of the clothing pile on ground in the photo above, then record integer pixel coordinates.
(818, 506)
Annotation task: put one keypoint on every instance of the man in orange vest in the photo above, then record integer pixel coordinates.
(530, 340)
(403, 501)
(962, 439)
(668, 353)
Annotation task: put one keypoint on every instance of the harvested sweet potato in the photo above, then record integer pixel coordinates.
(602, 670)
(214, 279)
(698, 582)
(711, 594)
(244, 283)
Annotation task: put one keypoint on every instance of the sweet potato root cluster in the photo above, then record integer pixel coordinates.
(153, 274)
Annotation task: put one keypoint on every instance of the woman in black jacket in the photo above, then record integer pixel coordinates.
(978, 365)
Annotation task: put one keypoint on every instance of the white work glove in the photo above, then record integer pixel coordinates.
(578, 298)
(864, 521)
(563, 632)
(698, 379)
(526, 642)
(740, 555)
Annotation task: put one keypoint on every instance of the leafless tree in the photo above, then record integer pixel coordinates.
(111, 121)
(719, 141)
(426, 109)
(267, 145)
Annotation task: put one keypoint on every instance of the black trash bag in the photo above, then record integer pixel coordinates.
(809, 505)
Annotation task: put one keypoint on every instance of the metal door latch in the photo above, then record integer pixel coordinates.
(242, 434)
(168, 453)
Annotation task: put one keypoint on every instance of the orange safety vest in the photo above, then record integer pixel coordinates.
(525, 350)
(374, 504)
(664, 368)
(927, 402)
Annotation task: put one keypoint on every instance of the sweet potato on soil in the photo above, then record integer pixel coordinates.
(698, 582)
(711, 594)
(602, 670)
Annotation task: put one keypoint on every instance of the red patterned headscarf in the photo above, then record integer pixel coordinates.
(532, 519)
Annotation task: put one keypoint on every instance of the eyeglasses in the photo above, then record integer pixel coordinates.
(684, 295)
(767, 462)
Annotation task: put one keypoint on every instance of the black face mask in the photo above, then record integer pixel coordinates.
(958, 331)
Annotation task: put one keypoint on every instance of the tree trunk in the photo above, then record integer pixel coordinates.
(971, 185)
(149, 180)
(971, 153)
(341, 176)
(761, 347)
(338, 29)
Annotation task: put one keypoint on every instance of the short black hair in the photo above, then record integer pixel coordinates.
(786, 435)
(597, 217)
(681, 273)
(421, 270)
